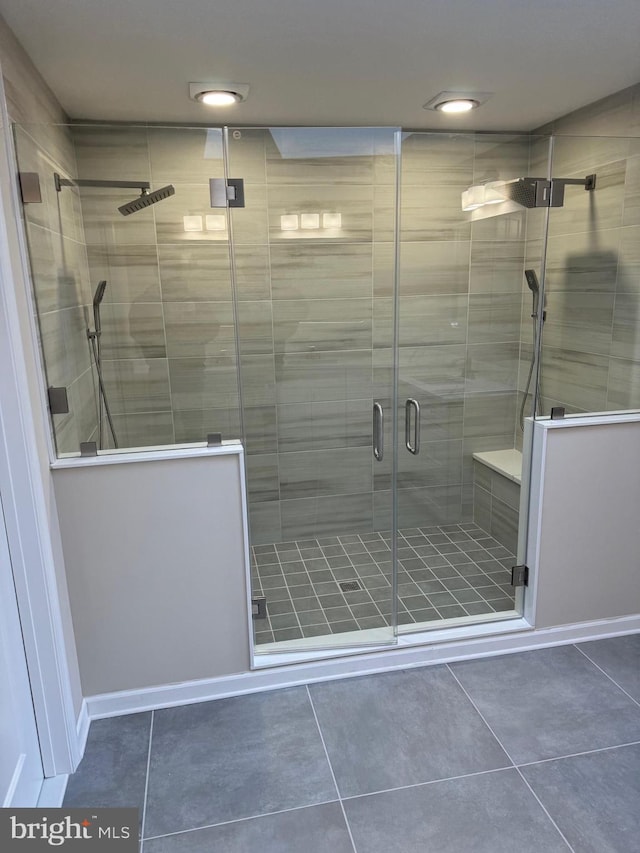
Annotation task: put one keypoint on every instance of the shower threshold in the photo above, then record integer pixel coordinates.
(331, 587)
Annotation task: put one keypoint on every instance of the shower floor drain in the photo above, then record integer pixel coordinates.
(350, 586)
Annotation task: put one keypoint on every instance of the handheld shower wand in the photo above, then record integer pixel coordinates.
(98, 296)
(94, 338)
(534, 287)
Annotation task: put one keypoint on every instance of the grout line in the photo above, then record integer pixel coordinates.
(240, 820)
(542, 806)
(333, 775)
(604, 672)
(429, 782)
(146, 784)
(578, 754)
(509, 757)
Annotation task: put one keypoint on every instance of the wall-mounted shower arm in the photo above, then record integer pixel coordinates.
(61, 182)
(558, 185)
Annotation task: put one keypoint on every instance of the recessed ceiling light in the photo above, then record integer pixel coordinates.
(218, 94)
(456, 102)
(461, 105)
(217, 98)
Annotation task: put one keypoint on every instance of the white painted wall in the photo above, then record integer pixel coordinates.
(587, 522)
(155, 555)
(21, 771)
(30, 511)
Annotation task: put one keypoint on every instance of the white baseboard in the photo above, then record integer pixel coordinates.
(82, 727)
(185, 693)
(53, 791)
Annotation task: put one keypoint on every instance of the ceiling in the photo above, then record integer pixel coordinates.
(342, 62)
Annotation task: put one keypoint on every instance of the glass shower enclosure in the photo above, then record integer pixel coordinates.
(341, 300)
(383, 503)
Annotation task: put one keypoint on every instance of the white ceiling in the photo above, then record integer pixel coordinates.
(331, 61)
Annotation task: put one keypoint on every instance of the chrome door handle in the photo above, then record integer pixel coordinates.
(378, 432)
(415, 447)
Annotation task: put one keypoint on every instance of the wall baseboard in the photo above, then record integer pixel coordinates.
(82, 727)
(185, 693)
(53, 791)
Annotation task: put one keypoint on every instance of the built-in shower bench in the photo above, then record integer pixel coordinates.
(497, 475)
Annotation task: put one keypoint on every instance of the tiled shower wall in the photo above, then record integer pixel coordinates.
(60, 276)
(591, 344)
(331, 307)
(167, 327)
(315, 314)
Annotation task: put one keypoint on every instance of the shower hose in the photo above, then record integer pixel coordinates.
(538, 395)
(101, 392)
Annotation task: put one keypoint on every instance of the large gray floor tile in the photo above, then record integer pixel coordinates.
(594, 799)
(489, 813)
(548, 703)
(234, 758)
(316, 829)
(114, 768)
(401, 728)
(619, 657)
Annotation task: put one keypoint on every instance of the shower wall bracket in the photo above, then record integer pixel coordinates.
(30, 187)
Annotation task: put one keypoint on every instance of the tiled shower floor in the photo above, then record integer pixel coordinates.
(444, 572)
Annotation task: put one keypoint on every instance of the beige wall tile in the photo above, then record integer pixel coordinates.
(137, 385)
(312, 325)
(131, 272)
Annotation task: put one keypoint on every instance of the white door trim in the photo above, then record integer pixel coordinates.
(24, 489)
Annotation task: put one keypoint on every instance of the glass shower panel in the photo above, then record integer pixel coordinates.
(464, 313)
(591, 343)
(314, 240)
(148, 359)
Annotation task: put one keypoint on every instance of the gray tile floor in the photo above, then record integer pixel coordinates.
(535, 752)
(444, 573)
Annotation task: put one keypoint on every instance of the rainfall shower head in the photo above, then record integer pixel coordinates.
(145, 199)
(528, 192)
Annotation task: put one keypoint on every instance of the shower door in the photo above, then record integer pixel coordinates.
(311, 248)
(464, 349)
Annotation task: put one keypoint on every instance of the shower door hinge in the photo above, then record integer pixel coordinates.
(557, 413)
(228, 193)
(259, 608)
(520, 576)
(58, 400)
